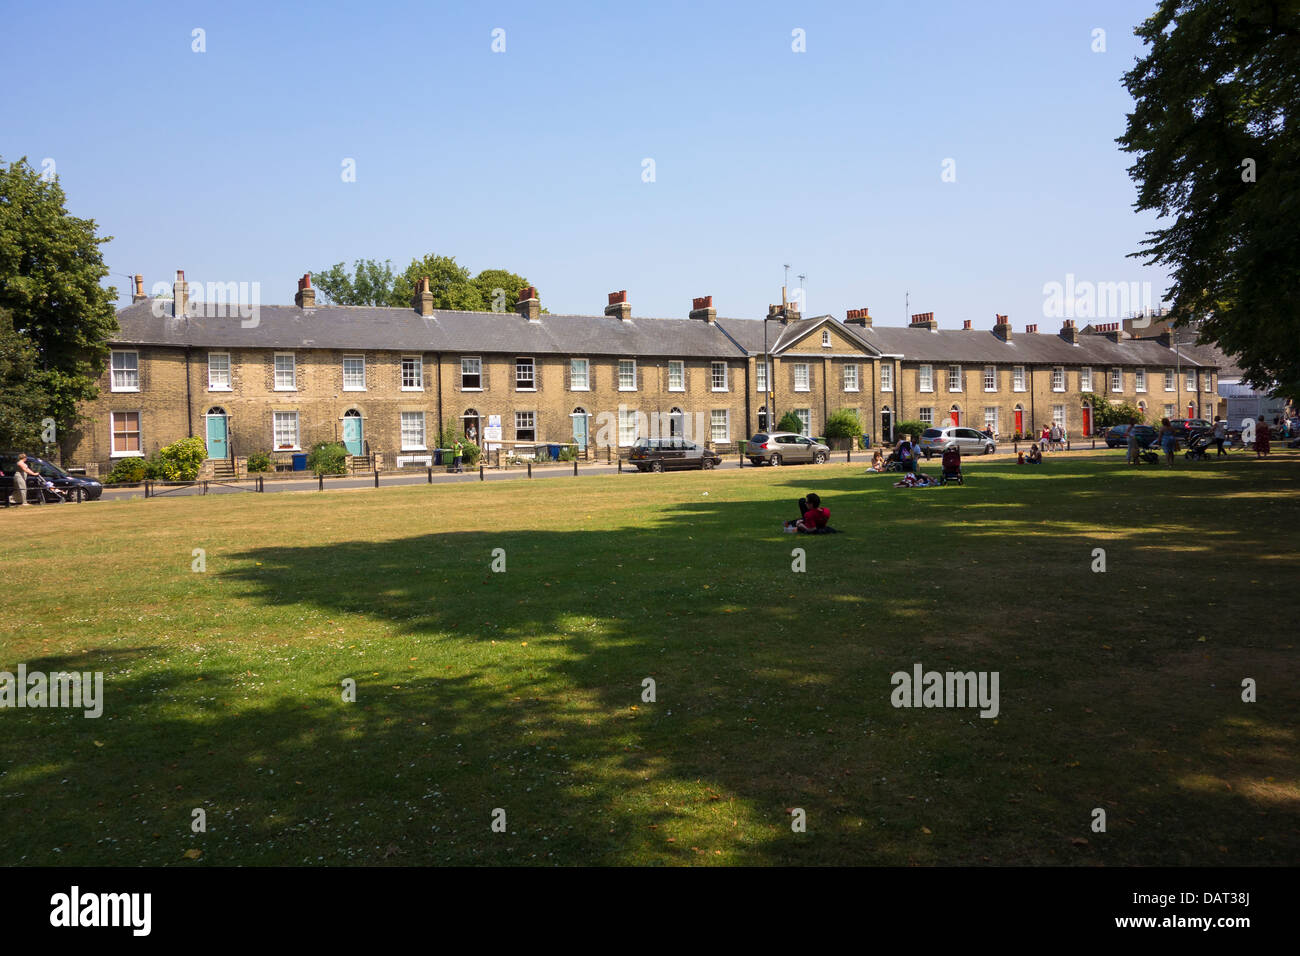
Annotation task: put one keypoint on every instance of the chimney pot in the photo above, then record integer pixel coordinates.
(619, 307)
(1032, 328)
(616, 297)
(529, 306)
(138, 295)
(966, 324)
(702, 308)
(180, 295)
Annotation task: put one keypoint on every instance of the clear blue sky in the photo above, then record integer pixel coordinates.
(227, 163)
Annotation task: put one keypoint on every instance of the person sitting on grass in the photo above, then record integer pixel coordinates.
(815, 519)
(877, 461)
(1035, 455)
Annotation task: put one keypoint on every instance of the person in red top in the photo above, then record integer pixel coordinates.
(815, 518)
(1263, 438)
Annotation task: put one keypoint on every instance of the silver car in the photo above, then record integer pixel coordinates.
(785, 448)
(936, 441)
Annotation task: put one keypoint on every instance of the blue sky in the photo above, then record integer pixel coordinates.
(227, 163)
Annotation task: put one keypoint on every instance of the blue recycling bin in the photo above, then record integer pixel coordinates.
(555, 452)
(437, 456)
(300, 462)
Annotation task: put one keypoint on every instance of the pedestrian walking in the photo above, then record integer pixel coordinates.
(459, 457)
(1263, 437)
(1220, 435)
(1134, 449)
(1168, 441)
(22, 470)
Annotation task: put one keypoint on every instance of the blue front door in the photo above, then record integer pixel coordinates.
(217, 446)
(580, 432)
(352, 434)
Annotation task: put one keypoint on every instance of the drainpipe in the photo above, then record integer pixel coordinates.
(189, 403)
(437, 358)
(1033, 407)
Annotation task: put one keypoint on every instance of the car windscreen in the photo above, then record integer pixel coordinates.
(48, 470)
(932, 433)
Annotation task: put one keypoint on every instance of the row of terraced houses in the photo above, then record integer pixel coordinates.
(381, 380)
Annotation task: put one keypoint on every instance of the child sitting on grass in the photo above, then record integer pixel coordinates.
(815, 518)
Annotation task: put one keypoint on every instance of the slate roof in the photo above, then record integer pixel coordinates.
(358, 327)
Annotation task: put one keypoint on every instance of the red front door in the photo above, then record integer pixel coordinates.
(955, 416)
(1020, 421)
(1087, 421)
(1191, 410)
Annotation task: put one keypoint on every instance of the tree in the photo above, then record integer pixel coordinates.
(1106, 414)
(50, 270)
(1215, 132)
(499, 289)
(371, 283)
(790, 422)
(844, 425)
(22, 402)
(450, 284)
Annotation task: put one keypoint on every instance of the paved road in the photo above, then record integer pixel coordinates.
(419, 477)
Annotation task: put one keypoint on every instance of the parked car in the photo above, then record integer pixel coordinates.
(1117, 435)
(661, 454)
(90, 488)
(785, 448)
(936, 441)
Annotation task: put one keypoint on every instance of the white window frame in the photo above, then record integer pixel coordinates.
(354, 387)
(293, 372)
(1170, 380)
(532, 378)
(925, 415)
(408, 445)
(532, 427)
(574, 364)
(1116, 379)
(1058, 378)
(677, 371)
(760, 376)
(1171, 411)
(886, 376)
(805, 418)
(1189, 380)
(955, 382)
(851, 378)
(826, 338)
(275, 432)
(628, 419)
(229, 386)
(129, 376)
(112, 434)
(713, 377)
(1058, 415)
(418, 362)
(478, 359)
(628, 365)
(1017, 378)
(726, 425)
(804, 368)
(1139, 380)
(990, 378)
(992, 419)
(1085, 379)
(925, 378)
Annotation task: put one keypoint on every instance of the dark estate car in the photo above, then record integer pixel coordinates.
(62, 481)
(785, 448)
(660, 454)
(1117, 436)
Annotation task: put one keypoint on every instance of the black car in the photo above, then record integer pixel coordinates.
(661, 454)
(48, 471)
(1117, 436)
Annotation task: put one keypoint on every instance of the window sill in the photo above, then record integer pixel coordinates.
(518, 389)
(279, 388)
(127, 454)
(622, 389)
(476, 388)
(580, 388)
(854, 390)
(682, 388)
(352, 389)
(715, 389)
(412, 388)
(415, 448)
(220, 388)
(125, 388)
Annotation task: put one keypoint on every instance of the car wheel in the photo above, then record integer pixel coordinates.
(775, 460)
(706, 463)
(988, 449)
(819, 458)
(657, 466)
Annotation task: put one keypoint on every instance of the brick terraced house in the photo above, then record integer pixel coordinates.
(380, 380)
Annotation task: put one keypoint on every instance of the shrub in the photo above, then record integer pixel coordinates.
(472, 453)
(568, 453)
(327, 458)
(127, 470)
(790, 422)
(259, 461)
(842, 426)
(915, 429)
(179, 461)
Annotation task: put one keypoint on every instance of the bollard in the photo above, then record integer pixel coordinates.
(261, 487)
(848, 454)
(480, 472)
(430, 475)
(205, 487)
(79, 494)
(609, 451)
(530, 468)
(376, 477)
(620, 466)
(321, 482)
(575, 468)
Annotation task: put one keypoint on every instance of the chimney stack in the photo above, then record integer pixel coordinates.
(702, 308)
(860, 317)
(180, 295)
(619, 307)
(924, 320)
(965, 325)
(306, 295)
(1069, 332)
(422, 300)
(1031, 329)
(1112, 331)
(529, 306)
(1002, 327)
(138, 295)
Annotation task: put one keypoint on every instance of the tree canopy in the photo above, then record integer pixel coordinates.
(50, 273)
(370, 282)
(1214, 130)
(22, 402)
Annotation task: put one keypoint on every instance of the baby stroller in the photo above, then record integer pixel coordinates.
(1198, 442)
(952, 467)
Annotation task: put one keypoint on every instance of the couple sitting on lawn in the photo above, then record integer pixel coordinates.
(815, 519)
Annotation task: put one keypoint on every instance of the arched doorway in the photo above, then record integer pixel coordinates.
(1019, 414)
(762, 418)
(676, 423)
(581, 427)
(954, 416)
(218, 432)
(1087, 420)
(887, 425)
(1142, 410)
(353, 432)
(471, 425)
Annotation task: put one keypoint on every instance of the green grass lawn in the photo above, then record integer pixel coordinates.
(523, 690)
